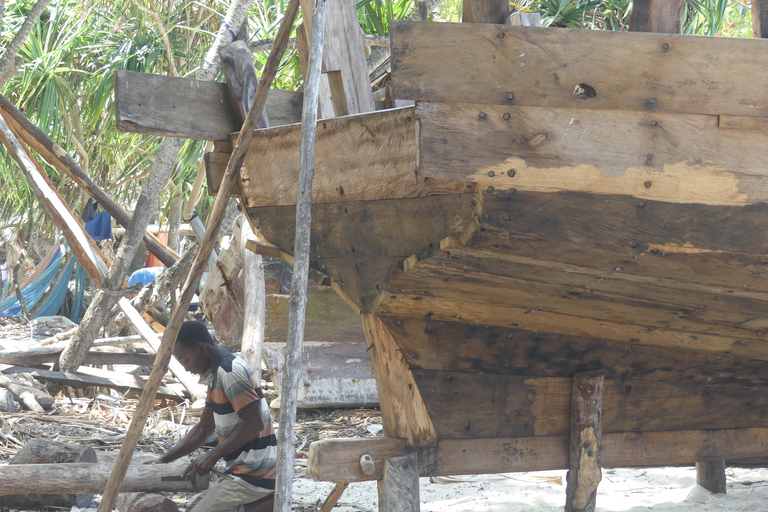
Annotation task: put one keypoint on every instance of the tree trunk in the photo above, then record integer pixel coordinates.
(174, 219)
(10, 61)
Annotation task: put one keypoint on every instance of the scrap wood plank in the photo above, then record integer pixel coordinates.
(338, 460)
(529, 66)
(190, 382)
(185, 108)
(680, 158)
(87, 376)
(333, 374)
(56, 209)
(358, 157)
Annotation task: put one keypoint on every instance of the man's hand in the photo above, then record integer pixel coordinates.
(158, 460)
(201, 465)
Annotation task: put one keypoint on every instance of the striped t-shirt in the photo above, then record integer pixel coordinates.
(233, 386)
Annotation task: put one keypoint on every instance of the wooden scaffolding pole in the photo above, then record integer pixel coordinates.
(298, 300)
(193, 280)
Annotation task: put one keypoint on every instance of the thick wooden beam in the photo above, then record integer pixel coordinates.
(55, 208)
(35, 138)
(399, 486)
(85, 477)
(338, 460)
(185, 108)
(711, 475)
(661, 16)
(760, 18)
(586, 441)
(572, 68)
(680, 158)
(358, 157)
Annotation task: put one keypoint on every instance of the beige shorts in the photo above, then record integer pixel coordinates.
(227, 494)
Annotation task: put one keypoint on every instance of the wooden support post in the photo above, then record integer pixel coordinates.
(760, 18)
(56, 156)
(193, 280)
(485, 11)
(56, 208)
(333, 498)
(399, 488)
(711, 475)
(298, 300)
(586, 441)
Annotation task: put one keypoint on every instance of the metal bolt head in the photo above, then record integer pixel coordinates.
(500, 35)
(487, 216)
(510, 96)
(512, 191)
(489, 189)
(652, 101)
(649, 157)
(506, 116)
(655, 250)
(481, 115)
(490, 174)
(511, 173)
(665, 47)
(633, 245)
(641, 204)
(506, 217)
(654, 123)
(647, 184)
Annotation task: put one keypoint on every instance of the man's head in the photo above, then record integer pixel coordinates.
(195, 348)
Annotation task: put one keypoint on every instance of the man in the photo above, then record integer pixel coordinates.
(236, 410)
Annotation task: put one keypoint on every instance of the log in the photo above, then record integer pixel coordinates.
(41, 451)
(333, 498)
(87, 477)
(22, 394)
(145, 502)
(399, 488)
(6, 401)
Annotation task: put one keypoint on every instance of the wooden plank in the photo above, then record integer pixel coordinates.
(403, 411)
(358, 157)
(338, 460)
(333, 498)
(465, 405)
(101, 356)
(87, 376)
(742, 123)
(678, 158)
(186, 108)
(542, 67)
(430, 344)
(399, 487)
(661, 16)
(586, 442)
(223, 295)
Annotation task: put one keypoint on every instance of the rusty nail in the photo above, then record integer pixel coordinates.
(641, 204)
(491, 174)
(655, 250)
(665, 46)
(511, 173)
(647, 184)
(489, 189)
(481, 115)
(506, 116)
(654, 123)
(500, 35)
(486, 216)
(506, 217)
(652, 101)
(510, 95)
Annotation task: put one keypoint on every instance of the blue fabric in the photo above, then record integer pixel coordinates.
(33, 291)
(55, 299)
(145, 275)
(100, 227)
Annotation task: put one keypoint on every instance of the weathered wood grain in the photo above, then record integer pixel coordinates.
(186, 108)
(489, 64)
(430, 344)
(464, 405)
(678, 158)
(656, 16)
(338, 460)
(399, 487)
(485, 11)
(357, 157)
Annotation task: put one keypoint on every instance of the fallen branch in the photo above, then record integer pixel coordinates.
(22, 394)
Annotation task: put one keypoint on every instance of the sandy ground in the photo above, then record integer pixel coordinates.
(621, 490)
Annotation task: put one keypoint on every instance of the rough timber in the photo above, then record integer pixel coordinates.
(539, 214)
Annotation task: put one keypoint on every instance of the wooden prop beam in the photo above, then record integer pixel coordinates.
(572, 68)
(399, 486)
(485, 11)
(100, 356)
(55, 155)
(298, 299)
(85, 477)
(333, 498)
(586, 442)
(56, 208)
(190, 382)
(661, 16)
(188, 109)
(680, 158)
(165, 350)
(338, 460)
(358, 157)
(711, 475)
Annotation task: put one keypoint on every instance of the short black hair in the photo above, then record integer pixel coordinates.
(193, 332)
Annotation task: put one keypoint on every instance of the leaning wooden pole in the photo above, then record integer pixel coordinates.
(193, 280)
(298, 301)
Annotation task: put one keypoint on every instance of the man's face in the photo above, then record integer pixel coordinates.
(193, 360)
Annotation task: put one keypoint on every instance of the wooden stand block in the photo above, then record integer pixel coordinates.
(586, 438)
(399, 488)
(711, 475)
